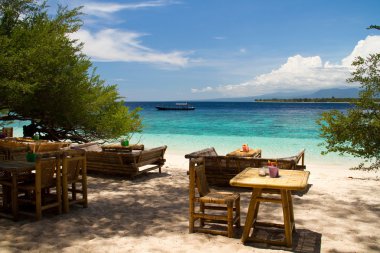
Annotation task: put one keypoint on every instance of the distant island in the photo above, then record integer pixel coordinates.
(311, 100)
(323, 95)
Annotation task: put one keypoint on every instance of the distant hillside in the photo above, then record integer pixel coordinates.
(337, 93)
(234, 99)
(325, 93)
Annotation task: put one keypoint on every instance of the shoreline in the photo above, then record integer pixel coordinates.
(180, 145)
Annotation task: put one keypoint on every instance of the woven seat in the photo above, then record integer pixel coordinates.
(214, 207)
(73, 172)
(219, 198)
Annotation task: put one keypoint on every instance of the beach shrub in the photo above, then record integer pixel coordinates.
(357, 132)
(47, 80)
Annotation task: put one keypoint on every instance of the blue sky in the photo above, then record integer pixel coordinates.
(194, 49)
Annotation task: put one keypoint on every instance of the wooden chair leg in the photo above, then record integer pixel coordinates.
(59, 199)
(38, 204)
(65, 193)
(84, 192)
(191, 217)
(237, 212)
(202, 209)
(230, 219)
(73, 191)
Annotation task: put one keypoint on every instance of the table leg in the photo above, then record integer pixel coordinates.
(65, 191)
(14, 196)
(84, 184)
(250, 215)
(290, 200)
(287, 222)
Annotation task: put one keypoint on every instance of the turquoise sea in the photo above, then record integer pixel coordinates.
(279, 129)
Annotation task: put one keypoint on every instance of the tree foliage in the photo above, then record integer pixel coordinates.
(46, 79)
(357, 132)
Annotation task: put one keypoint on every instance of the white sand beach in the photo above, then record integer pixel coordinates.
(339, 213)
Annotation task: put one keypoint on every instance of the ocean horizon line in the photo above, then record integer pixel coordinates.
(205, 101)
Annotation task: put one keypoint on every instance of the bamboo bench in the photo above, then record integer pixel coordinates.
(220, 169)
(129, 164)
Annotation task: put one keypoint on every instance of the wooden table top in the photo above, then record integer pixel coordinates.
(35, 146)
(288, 179)
(251, 153)
(16, 166)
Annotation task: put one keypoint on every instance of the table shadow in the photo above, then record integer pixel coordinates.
(304, 240)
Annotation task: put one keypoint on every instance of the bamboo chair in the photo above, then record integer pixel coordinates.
(38, 190)
(225, 203)
(73, 172)
(8, 131)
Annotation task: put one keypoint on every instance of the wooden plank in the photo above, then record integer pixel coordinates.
(288, 179)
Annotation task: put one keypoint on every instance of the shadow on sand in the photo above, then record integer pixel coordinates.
(156, 205)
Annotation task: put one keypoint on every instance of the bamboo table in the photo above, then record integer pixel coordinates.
(255, 153)
(287, 181)
(14, 169)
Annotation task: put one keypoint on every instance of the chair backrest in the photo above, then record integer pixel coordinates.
(49, 146)
(198, 178)
(104, 157)
(46, 169)
(90, 146)
(201, 180)
(151, 155)
(201, 153)
(73, 162)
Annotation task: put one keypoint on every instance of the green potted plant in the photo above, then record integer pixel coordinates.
(30, 155)
(124, 142)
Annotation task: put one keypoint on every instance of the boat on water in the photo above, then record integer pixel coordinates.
(177, 106)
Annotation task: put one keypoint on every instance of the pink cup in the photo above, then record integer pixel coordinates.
(273, 171)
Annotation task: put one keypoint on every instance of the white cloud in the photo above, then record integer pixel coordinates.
(364, 47)
(301, 73)
(206, 89)
(116, 45)
(219, 38)
(243, 50)
(102, 9)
